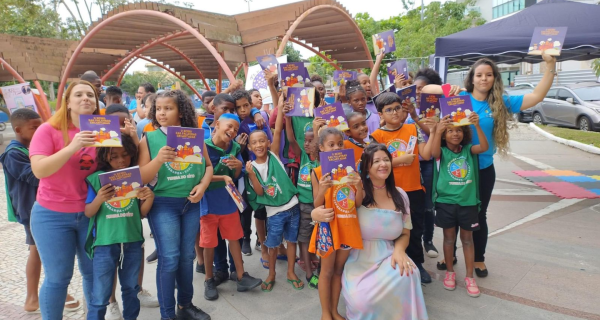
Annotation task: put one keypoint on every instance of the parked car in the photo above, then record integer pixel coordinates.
(526, 115)
(574, 106)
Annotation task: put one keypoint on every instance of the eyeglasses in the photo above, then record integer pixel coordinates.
(391, 111)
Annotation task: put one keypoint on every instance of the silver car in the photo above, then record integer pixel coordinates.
(575, 106)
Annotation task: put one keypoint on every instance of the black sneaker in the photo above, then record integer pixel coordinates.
(233, 276)
(220, 277)
(210, 290)
(425, 277)
(200, 268)
(191, 312)
(246, 247)
(247, 283)
(430, 249)
(441, 265)
(257, 247)
(153, 257)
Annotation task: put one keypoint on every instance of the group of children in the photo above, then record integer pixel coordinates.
(277, 170)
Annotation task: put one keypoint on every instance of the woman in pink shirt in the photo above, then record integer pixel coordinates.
(59, 226)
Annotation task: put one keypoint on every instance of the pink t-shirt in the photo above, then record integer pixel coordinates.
(65, 190)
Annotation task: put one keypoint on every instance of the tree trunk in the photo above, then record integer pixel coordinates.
(51, 93)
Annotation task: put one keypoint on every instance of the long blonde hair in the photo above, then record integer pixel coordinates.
(500, 111)
(61, 120)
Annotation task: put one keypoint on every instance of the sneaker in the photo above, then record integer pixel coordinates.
(441, 265)
(233, 276)
(113, 312)
(210, 290)
(430, 249)
(257, 247)
(200, 268)
(425, 277)
(153, 257)
(247, 283)
(450, 281)
(147, 300)
(220, 277)
(246, 247)
(191, 312)
(472, 288)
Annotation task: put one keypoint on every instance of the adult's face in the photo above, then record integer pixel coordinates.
(141, 92)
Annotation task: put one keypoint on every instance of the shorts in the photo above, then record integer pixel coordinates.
(306, 227)
(261, 214)
(452, 215)
(28, 236)
(229, 225)
(282, 225)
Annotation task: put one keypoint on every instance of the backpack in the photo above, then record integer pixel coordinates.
(12, 217)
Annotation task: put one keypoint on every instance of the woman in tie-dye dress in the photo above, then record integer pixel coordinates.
(381, 281)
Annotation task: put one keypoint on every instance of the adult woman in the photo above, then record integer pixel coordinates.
(61, 161)
(484, 85)
(381, 281)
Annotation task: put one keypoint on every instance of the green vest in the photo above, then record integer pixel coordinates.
(278, 188)
(115, 222)
(12, 217)
(174, 179)
(220, 169)
(456, 180)
(301, 124)
(305, 191)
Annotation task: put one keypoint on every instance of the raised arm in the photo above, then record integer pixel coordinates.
(375, 72)
(540, 91)
(275, 146)
(483, 145)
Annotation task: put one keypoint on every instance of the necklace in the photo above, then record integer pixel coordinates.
(378, 188)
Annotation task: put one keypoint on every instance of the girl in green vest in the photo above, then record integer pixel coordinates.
(269, 186)
(175, 216)
(456, 191)
(115, 234)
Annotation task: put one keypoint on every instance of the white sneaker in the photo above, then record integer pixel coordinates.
(113, 312)
(147, 300)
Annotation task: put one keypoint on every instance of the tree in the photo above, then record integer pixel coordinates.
(293, 54)
(321, 67)
(596, 66)
(31, 18)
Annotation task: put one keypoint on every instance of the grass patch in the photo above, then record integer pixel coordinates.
(585, 137)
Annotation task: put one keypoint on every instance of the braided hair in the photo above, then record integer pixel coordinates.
(352, 87)
(186, 109)
(103, 154)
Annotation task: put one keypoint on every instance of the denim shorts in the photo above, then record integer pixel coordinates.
(282, 225)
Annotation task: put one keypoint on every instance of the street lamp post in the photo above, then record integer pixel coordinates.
(248, 1)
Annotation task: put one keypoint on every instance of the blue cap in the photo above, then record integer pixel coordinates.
(230, 116)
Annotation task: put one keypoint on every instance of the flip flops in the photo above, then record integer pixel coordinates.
(69, 304)
(313, 282)
(282, 257)
(34, 311)
(296, 282)
(263, 262)
(267, 284)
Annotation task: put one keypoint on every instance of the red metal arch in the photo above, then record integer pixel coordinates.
(125, 70)
(185, 57)
(317, 52)
(44, 106)
(150, 13)
(293, 27)
(171, 72)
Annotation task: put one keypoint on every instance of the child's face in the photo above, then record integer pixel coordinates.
(309, 138)
(167, 112)
(454, 135)
(259, 144)
(226, 129)
(243, 107)
(206, 102)
(320, 89)
(393, 114)
(420, 84)
(358, 101)
(122, 116)
(27, 129)
(332, 142)
(365, 82)
(256, 99)
(381, 166)
(358, 128)
(222, 108)
(119, 158)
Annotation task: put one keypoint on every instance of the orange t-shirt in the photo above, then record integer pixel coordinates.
(201, 121)
(102, 111)
(407, 177)
(358, 151)
(345, 229)
(149, 127)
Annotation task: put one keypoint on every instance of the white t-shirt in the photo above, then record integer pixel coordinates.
(263, 171)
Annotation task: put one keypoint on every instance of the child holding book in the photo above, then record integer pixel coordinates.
(115, 242)
(338, 235)
(270, 186)
(396, 135)
(357, 98)
(456, 191)
(357, 135)
(173, 219)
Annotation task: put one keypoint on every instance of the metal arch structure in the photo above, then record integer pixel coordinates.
(192, 64)
(171, 72)
(298, 20)
(142, 12)
(317, 52)
(125, 70)
(44, 108)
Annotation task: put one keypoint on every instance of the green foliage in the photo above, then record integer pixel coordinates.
(321, 67)
(596, 66)
(30, 18)
(293, 55)
(131, 82)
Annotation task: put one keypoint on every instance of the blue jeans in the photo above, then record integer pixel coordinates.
(221, 254)
(106, 258)
(175, 222)
(59, 237)
(282, 225)
(427, 174)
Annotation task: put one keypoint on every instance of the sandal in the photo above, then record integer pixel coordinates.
(441, 265)
(267, 284)
(264, 262)
(313, 282)
(282, 257)
(69, 304)
(34, 311)
(296, 282)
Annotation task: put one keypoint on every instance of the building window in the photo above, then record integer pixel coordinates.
(504, 7)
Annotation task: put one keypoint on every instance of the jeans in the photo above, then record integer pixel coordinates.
(59, 237)
(487, 179)
(221, 254)
(284, 224)
(427, 175)
(175, 222)
(417, 217)
(104, 262)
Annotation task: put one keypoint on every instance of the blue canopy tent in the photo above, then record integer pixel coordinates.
(507, 40)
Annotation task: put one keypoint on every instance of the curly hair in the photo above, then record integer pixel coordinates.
(186, 109)
(467, 136)
(103, 154)
(316, 77)
(429, 76)
(241, 94)
(495, 100)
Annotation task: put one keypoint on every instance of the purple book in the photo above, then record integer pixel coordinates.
(268, 62)
(303, 101)
(292, 73)
(106, 128)
(396, 68)
(334, 116)
(237, 197)
(126, 181)
(549, 39)
(340, 77)
(384, 42)
(408, 97)
(430, 106)
(187, 142)
(458, 108)
(339, 164)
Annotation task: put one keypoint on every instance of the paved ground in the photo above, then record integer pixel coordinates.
(542, 268)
